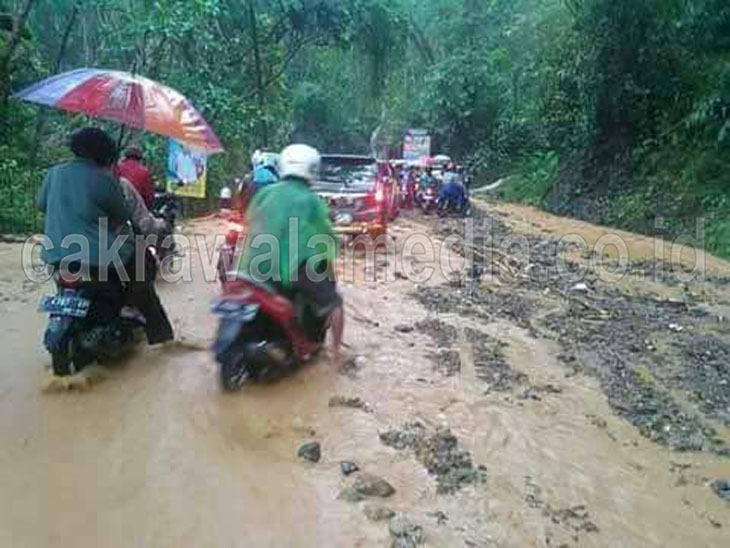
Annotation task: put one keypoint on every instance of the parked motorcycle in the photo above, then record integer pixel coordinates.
(259, 336)
(80, 331)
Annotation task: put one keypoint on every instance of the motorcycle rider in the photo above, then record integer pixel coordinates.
(453, 190)
(303, 268)
(428, 179)
(82, 200)
(265, 170)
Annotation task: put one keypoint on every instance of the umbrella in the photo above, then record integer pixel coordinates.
(425, 161)
(442, 159)
(128, 99)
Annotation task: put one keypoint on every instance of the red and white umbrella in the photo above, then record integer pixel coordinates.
(128, 99)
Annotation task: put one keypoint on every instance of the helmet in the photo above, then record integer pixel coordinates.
(300, 161)
(256, 159)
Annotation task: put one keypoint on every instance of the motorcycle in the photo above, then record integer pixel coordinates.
(406, 195)
(165, 206)
(259, 336)
(427, 198)
(79, 332)
(455, 204)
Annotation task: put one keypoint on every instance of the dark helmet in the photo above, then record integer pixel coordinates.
(134, 152)
(94, 144)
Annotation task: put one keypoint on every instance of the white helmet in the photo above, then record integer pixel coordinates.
(256, 159)
(300, 161)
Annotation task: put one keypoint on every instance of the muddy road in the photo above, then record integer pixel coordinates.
(509, 405)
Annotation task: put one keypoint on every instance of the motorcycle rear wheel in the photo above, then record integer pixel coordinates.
(61, 361)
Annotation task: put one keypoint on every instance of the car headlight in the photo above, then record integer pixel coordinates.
(343, 218)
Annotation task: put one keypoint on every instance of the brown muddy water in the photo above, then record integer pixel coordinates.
(490, 436)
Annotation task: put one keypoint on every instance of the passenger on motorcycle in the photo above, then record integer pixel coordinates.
(143, 222)
(85, 212)
(133, 170)
(291, 217)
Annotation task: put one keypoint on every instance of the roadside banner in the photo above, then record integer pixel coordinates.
(187, 171)
(416, 144)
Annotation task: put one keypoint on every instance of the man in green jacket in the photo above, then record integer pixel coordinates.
(290, 241)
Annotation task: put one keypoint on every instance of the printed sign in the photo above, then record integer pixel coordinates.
(416, 144)
(187, 171)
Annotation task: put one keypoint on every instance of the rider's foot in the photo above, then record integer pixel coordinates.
(82, 381)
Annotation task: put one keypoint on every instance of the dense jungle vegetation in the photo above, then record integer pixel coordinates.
(617, 111)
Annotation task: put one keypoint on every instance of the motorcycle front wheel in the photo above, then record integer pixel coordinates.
(233, 374)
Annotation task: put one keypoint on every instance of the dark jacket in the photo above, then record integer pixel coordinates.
(76, 198)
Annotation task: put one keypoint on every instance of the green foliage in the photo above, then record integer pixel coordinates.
(534, 179)
(618, 110)
(18, 213)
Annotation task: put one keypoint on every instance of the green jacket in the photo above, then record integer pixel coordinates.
(76, 197)
(288, 216)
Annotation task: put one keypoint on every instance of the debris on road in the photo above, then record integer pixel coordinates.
(348, 468)
(370, 485)
(351, 403)
(311, 452)
(439, 453)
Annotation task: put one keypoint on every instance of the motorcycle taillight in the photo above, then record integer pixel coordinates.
(66, 280)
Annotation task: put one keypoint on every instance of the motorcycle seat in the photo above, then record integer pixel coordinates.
(242, 277)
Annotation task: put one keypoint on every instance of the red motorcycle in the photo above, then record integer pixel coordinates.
(261, 335)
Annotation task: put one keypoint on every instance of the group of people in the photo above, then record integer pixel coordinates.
(94, 207)
(452, 183)
(107, 203)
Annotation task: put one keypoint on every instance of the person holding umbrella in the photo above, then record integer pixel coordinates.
(83, 203)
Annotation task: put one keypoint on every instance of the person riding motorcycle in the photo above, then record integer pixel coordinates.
(289, 216)
(86, 225)
(265, 171)
(428, 179)
(453, 191)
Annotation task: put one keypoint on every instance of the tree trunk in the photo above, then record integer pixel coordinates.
(7, 56)
(257, 68)
(56, 69)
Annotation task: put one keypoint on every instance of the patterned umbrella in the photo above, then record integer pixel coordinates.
(128, 99)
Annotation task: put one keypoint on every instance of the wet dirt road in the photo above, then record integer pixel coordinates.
(156, 456)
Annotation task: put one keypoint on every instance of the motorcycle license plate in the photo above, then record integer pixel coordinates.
(65, 305)
(235, 310)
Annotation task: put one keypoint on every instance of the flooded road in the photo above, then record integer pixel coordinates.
(155, 455)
